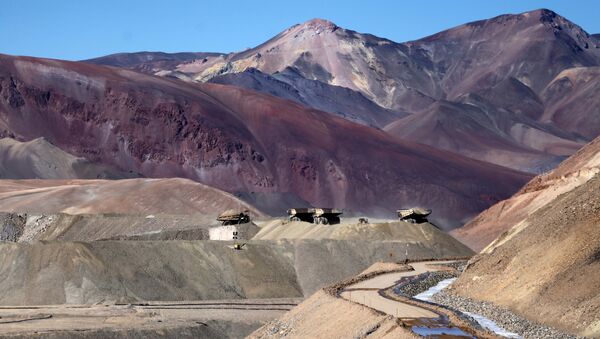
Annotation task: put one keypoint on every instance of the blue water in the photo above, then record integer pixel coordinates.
(428, 331)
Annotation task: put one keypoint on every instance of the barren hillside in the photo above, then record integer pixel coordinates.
(538, 193)
(325, 316)
(546, 265)
(289, 84)
(238, 140)
(39, 159)
(130, 196)
(513, 90)
(125, 271)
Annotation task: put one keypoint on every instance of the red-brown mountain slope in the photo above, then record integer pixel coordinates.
(237, 140)
(496, 72)
(491, 86)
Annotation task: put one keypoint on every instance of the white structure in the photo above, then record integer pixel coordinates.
(229, 232)
(233, 232)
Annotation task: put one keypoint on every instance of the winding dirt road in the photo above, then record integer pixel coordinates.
(366, 292)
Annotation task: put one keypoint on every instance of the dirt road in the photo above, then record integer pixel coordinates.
(366, 292)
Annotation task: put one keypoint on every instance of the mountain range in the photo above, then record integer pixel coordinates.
(328, 116)
(237, 140)
(513, 90)
(113, 172)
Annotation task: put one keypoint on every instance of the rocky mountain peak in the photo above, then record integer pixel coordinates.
(318, 24)
(545, 14)
(555, 22)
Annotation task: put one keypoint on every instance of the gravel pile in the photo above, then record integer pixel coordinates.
(503, 317)
(11, 226)
(457, 265)
(422, 283)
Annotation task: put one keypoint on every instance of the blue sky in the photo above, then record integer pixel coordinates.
(77, 30)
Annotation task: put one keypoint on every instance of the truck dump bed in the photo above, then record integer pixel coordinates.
(415, 214)
(315, 215)
(234, 217)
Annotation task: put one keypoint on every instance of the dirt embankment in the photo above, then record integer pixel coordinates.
(84, 273)
(424, 234)
(325, 316)
(547, 268)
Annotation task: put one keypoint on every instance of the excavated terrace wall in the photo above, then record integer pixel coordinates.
(125, 271)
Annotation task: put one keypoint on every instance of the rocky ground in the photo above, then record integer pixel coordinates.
(11, 226)
(501, 316)
(422, 283)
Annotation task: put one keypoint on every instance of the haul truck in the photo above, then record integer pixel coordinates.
(323, 216)
(414, 215)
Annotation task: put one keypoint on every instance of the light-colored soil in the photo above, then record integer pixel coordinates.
(383, 266)
(389, 279)
(413, 235)
(130, 196)
(366, 292)
(325, 316)
(372, 299)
